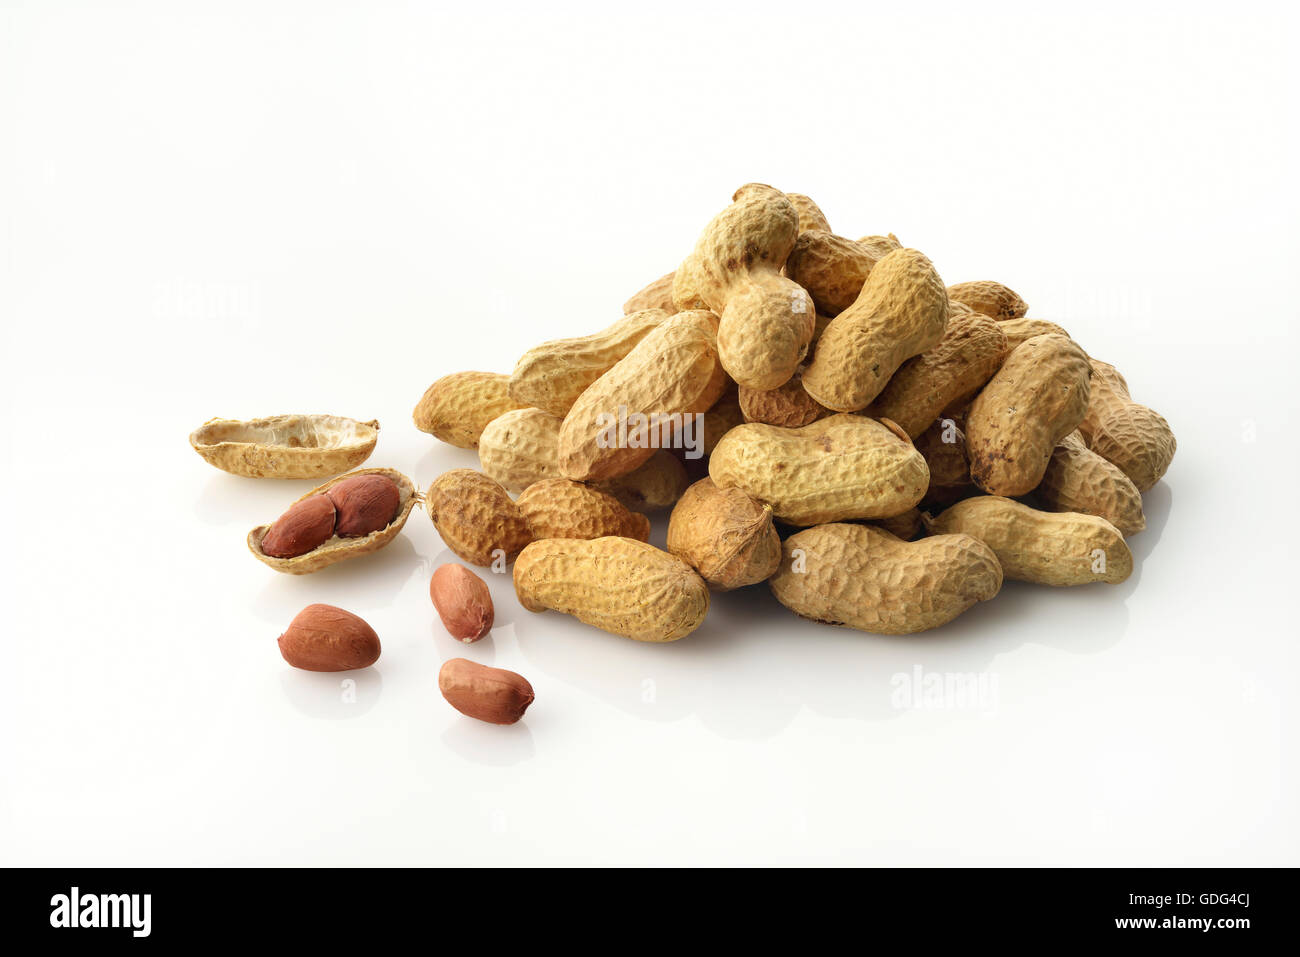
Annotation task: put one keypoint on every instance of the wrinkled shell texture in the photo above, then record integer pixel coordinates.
(906, 526)
(459, 406)
(1018, 330)
(337, 549)
(463, 602)
(1045, 548)
(970, 352)
(1079, 480)
(560, 508)
(670, 372)
(789, 406)
(845, 466)
(766, 320)
(493, 695)
(326, 638)
(364, 504)
(943, 446)
(990, 298)
(901, 312)
(657, 484)
(475, 516)
(618, 585)
(286, 446)
(832, 268)
(1135, 438)
(552, 376)
(521, 447)
(862, 577)
(810, 214)
(1037, 398)
(724, 416)
(725, 535)
(655, 295)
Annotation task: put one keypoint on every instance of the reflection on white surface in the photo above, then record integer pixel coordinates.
(204, 260)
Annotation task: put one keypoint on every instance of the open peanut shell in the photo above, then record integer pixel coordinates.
(337, 549)
(286, 446)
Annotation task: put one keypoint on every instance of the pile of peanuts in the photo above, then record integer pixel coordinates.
(822, 414)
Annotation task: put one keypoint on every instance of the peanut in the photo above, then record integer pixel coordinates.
(286, 446)
(862, 577)
(943, 445)
(722, 417)
(904, 527)
(766, 320)
(463, 602)
(560, 508)
(657, 484)
(1018, 330)
(459, 406)
(656, 295)
(1131, 436)
(901, 312)
(306, 526)
(618, 585)
(725, 535)
(1037, 398)
(325, 638)
(355, 500)
(521, 447)
(789, 406)
(990, 298)
(810, 214)
(833, 269)
(1079, 480)
(476, 517)
(493, 695)
(552, 376)
(363, 504)
(970, 352)
(673, 371)
(844, 466)
(1045, 548)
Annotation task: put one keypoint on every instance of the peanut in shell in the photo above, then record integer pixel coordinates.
(476, 517)
(862, 577)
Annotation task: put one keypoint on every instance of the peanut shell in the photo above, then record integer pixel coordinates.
(286, 446)
(859, 576)
(1133, 437)
(1079, 480)
(789, 406)
(655, 295)
(671, 372)
(337, 549)
(552, 376)
(521, 447)
(766, 320)
(833, 269)
(1045, 548)
(618, 585)
(1018, 330)
(841, 467)
(1037, 398)
(476, 517)
(725, 535)
(560, 508)
(901, 312)
(989, 298)
(971, 351)
(657, 484)
(459, 406)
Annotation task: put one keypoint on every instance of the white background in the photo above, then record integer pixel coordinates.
(242, 209)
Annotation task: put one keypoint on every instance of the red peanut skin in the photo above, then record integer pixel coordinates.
(493, 695)
(306, 526)
(364, 504)
(326, 638)
(463, 602)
